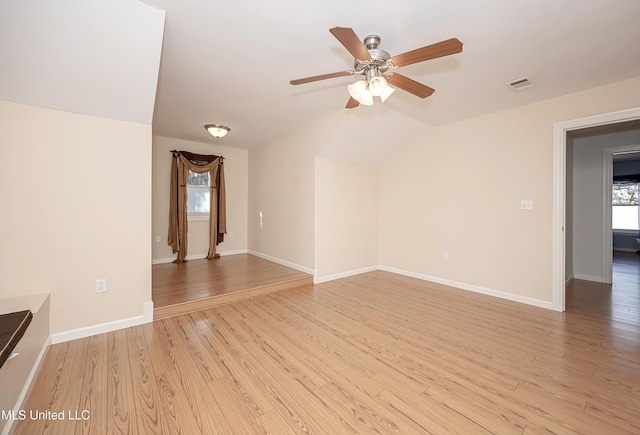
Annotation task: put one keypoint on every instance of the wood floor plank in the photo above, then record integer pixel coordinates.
(120, 398)
(74, 364)
(197, 412)
(357, 413)
(46, 394)
(187, 378)
(270, 348)
(273, 424)
(94, 385)
(200, 354)
(424, 415)
(178, 415)
(485, 410)
(66, 407)
(303, 407)
(552, 412)
(150, 418)
(239, 412)
(625, 415)
(357, 395)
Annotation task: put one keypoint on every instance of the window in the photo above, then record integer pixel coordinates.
(198, 193)
(624, 215)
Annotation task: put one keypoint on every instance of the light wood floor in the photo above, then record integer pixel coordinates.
(198, 284)
(374, 353)
(618, 303)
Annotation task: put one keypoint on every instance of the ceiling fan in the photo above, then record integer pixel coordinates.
(378, 67)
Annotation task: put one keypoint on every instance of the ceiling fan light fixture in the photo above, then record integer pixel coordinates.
(217, 130)
(377, 86)
(387, 93)
(366, 99)
(355, 89)
(360, 93)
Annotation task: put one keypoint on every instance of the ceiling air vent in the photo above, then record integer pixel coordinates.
(521, 84)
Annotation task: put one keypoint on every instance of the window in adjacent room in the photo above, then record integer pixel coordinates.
(198, 192)
(624, 214)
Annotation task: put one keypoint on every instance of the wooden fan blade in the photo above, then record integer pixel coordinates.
(440, 49)
(352, 103)
(410, 85)
(351, 42)
(321, 77)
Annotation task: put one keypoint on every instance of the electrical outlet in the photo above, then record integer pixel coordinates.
(526, 204)
(101, 285)
(158, 238)
(445, 255)
(230, 233)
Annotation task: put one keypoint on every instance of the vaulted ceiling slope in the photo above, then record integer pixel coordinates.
(94, 57)
(231, 62)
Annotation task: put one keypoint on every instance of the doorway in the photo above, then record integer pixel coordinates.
(624, 156)
(590, 171)
(561, 131)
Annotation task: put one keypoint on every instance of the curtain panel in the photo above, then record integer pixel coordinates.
(181, 163)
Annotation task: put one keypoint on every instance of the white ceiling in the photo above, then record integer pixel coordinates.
(231, 62)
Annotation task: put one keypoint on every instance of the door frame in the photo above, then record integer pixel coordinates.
(560, 130)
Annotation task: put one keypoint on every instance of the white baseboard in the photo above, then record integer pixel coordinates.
(27, 384)
(283, 262)
(326, 278)
(588, 277)
(569, 279)
(236, 252)
(474, 288)
(197, 256)
(172, 259)
(146, 317)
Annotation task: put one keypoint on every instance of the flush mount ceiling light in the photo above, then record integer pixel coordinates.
(217, 130)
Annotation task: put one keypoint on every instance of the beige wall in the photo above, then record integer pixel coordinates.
(235, 167)
(346, 218)
(458, 188)
(282, 188)
(64, 226)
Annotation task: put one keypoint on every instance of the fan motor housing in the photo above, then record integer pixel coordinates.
(379, 58)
